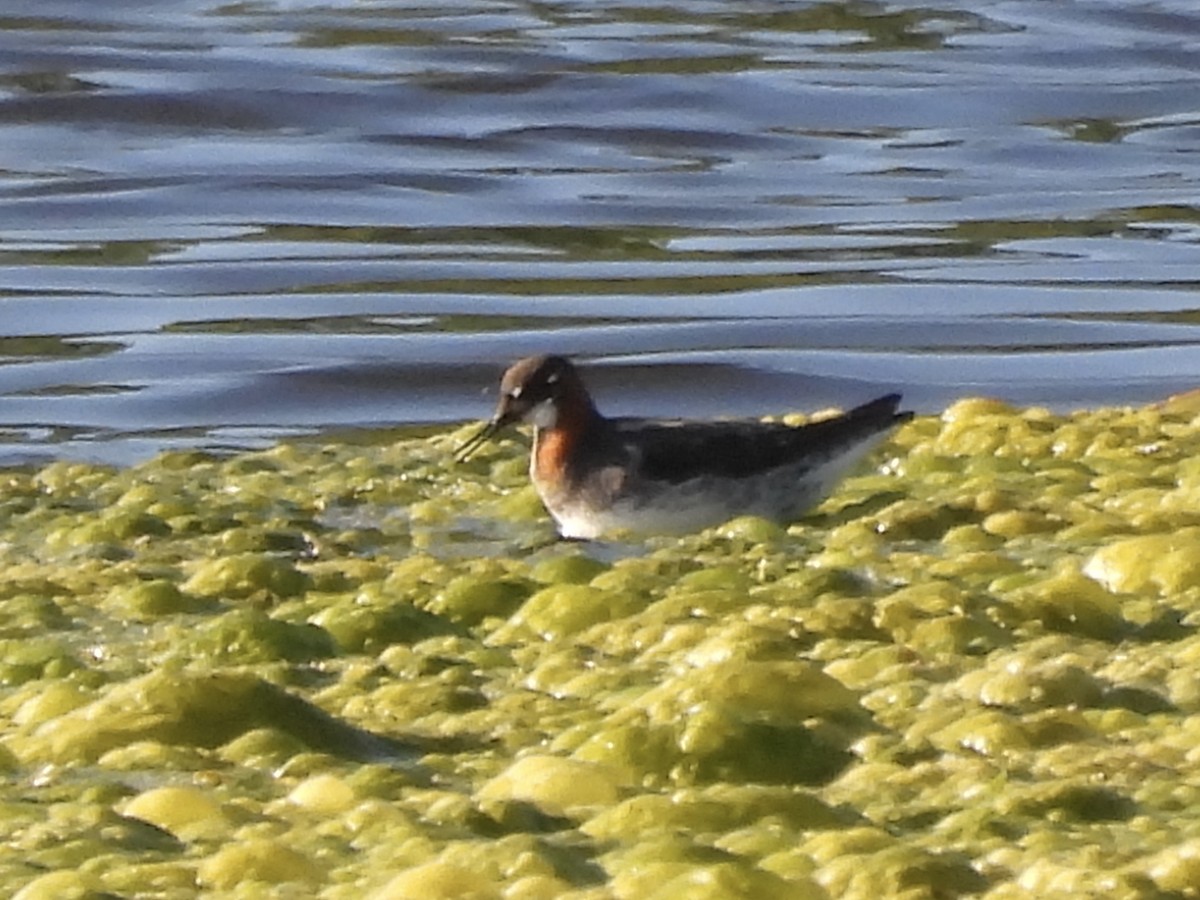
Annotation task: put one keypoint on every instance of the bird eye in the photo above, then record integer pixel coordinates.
(515, 393)
(552, 378)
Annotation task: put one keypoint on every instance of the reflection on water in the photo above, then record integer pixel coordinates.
(220, 223)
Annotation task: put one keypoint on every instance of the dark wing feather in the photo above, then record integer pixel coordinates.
(739, 449)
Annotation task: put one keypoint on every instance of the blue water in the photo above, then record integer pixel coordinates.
(223, 223)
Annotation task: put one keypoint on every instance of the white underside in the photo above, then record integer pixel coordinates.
(782, 494)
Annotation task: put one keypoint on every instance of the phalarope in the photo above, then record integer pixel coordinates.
(599, 476)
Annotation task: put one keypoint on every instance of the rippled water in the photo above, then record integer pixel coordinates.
(222, 222)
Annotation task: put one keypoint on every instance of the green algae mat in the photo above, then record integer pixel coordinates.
(357, 671)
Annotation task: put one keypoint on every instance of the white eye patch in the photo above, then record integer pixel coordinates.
(515, 393)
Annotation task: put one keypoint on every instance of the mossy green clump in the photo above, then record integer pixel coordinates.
(556, 785)
(470, 599)
(564, 609)
(369, 621)
(1166, 563)
(179, 707)
(246, 574)
(357, 670)
(148, 600)
(251, 635)
(27, 659)
(189, 813)
(266, 861)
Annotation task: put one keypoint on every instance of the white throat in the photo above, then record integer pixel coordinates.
(544, 415)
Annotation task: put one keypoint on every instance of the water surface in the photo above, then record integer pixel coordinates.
(220, 223)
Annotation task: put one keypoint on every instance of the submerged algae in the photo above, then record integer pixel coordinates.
(356, 671)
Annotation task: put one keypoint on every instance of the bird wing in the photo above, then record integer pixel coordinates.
(680, 451)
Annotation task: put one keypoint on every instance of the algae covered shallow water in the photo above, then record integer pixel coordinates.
(351, 670)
